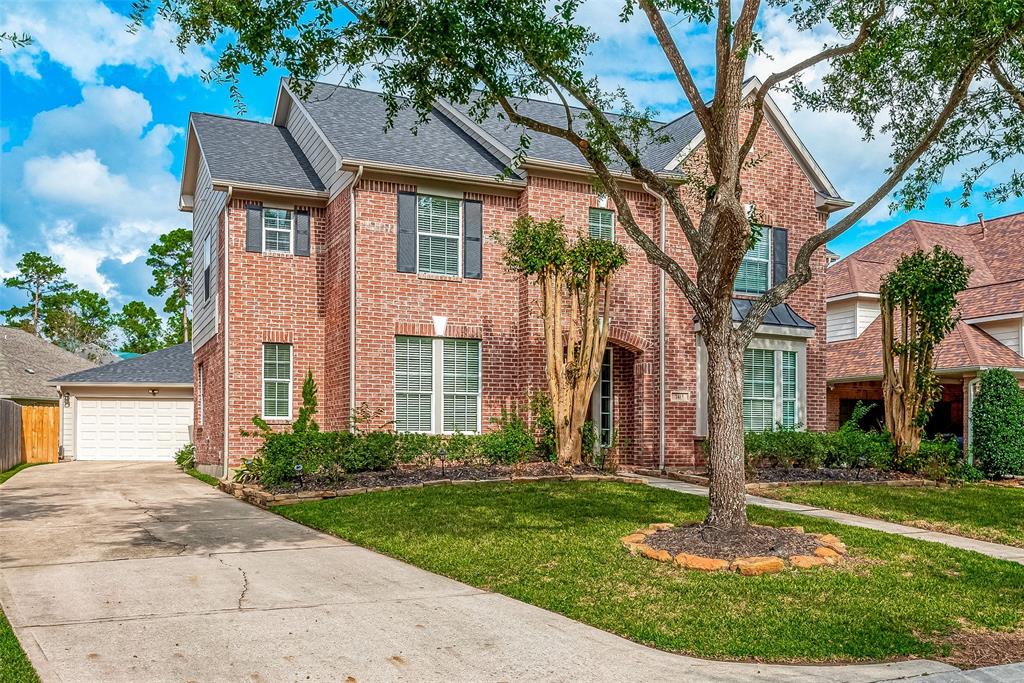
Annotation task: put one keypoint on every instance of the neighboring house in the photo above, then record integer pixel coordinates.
(324, 244)
(27, 363)
(989, 334)
(136, 409)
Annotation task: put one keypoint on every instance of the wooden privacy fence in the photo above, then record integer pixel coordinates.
(29, 434)
(10, 434)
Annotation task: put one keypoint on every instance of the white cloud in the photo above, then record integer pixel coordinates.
(87, 36)
(7, 254)
(92, 184)
(78, 177)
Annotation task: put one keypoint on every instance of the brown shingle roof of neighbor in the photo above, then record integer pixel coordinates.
(27, 363)
(964, 348)
(992, 252)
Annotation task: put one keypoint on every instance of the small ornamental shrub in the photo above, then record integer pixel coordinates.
(785, 448)
(851, 446)
(935, 459)
(511, 443)
(185, 457)
(998, 424)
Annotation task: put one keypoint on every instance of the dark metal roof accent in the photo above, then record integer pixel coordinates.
(172, 365)
(781, 315)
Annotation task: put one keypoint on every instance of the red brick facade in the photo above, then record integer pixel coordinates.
(305, 301)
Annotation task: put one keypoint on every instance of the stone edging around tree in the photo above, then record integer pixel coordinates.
(830, 550)
(254, 493)
(758, 486)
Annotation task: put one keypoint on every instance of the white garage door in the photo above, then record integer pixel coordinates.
(131, 429)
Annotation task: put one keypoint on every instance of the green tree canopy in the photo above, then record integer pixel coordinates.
(171, 260)
(77, 318)
(41, 278)
(141, 327)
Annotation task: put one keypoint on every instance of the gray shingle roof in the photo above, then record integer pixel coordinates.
(27, 363)
(353, 120)
(172, 365)
(252, 152)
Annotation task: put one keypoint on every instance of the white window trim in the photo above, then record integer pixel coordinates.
(771, 248)
(759, 342)
(460, 239)
(595, 402)
(291, 231)
(437, 386)
(263, 381)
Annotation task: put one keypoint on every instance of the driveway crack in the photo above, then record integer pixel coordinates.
(245, 579)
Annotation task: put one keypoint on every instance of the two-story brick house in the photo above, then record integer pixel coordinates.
(323, 243)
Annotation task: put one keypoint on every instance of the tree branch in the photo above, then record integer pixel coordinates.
(802, 269)
(785, 75)
(671, 50)
(1004, 82)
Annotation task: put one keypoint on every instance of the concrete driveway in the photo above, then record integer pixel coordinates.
(137, 572)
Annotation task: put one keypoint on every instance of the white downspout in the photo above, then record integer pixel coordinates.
(352, 292)
(227, 307)
(661, 332)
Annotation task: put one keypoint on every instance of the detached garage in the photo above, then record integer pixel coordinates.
(137, 409)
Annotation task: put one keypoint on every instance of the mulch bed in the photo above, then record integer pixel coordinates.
(419, 475)
(758, 541)
(973, 648)
(795, 474)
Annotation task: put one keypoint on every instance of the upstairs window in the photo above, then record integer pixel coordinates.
(754, 273)
(277, 230)
(207, 250)
(601, 224)
(438, 235)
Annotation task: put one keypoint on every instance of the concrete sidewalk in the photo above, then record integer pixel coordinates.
(136, 572)
(996, 550)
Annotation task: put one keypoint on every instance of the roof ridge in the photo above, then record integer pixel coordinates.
(231, 118)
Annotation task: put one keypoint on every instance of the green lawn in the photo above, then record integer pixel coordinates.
(7, 474)
(14, 665)
(205, 478)
(990, 513)
(556, 545)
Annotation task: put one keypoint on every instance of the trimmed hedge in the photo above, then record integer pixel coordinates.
(998, 424)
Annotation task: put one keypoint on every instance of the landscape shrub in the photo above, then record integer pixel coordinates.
(785, 448)
(511, 443)
(185, 457)
(998, 424)
(851, 446)
(935, 459)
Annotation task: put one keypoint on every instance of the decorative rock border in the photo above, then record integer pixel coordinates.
(256, 495)
(830, 550)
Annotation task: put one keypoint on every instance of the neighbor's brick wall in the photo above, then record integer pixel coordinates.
(304, 301)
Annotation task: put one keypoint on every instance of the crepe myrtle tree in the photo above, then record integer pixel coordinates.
(914, 70)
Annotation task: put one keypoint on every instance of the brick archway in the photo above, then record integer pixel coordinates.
(628, 340)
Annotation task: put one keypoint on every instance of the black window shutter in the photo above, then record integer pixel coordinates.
(253, 227)
(473, 229)
(406, 232)
(302, 233)
(780, 255)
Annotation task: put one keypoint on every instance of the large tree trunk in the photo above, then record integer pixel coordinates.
(899, 385)
(727, 510)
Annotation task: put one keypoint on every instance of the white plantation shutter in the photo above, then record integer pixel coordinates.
(277, 380)
(601, 224)
(758, 390)
(414, 384)
(438, 228)
(461, 385)
(752, 277)
(789, 389)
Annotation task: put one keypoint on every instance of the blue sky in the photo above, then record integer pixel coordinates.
(92, 124)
